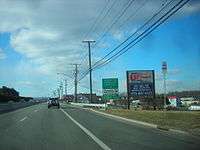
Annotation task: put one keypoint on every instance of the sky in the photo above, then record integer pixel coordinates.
(41, 38)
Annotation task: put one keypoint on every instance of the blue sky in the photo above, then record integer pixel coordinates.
(33, 49)
(178, 43)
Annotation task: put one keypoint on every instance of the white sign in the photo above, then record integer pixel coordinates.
(164, 67)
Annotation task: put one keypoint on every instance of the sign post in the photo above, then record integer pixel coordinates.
(140, 84)
(164, 71)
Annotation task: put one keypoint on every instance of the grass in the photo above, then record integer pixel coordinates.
(182, 120)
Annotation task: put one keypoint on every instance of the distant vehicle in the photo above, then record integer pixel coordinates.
(194, 107)
(22, 101)
(11, 102)
(53, 102)
(135, 102)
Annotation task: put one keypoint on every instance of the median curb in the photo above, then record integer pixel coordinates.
(140, 122)
(136, 122)
(125, 119)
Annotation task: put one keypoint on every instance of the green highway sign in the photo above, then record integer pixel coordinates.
(110, 88)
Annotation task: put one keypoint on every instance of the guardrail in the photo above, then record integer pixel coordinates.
(7, 107)
(99, 105)
(89, 105)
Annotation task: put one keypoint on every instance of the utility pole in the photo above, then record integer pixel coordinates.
(90, 41)
(58, 90)
(65, 81)
(54, 94)
(61, 90)
(164, 71)
(65, 87)
(75, 81)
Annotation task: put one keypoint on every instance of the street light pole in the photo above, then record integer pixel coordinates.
(90, 66)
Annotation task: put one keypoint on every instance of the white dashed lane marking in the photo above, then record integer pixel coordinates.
(24, 118)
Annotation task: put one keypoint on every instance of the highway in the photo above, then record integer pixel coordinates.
(71, 128)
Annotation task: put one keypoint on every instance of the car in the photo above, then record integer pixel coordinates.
(53, 102)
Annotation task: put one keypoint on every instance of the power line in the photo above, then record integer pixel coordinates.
(133, 14)
(96, 20)
(144, 34)
(108, 12)
(132, 35)
(129, 3)
(86, 87)
(100, 20)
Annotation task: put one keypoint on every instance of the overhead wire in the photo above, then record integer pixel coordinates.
(132, 35)
(129, 3)
(143, 34)
(133, 14)
(99, 19)
(96, 20)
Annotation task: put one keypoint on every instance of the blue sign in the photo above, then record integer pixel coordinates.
(141, 83)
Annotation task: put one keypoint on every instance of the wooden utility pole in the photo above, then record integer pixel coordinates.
(90, 68)
(75, 81)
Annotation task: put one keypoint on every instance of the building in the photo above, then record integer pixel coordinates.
(68, 98)
(85, 98)
(173, 101)
(188, 101)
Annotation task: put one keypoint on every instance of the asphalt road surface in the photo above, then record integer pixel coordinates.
(70, 128)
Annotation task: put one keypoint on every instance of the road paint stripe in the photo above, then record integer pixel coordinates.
(23, 119)
(97, 140)
(35, 110)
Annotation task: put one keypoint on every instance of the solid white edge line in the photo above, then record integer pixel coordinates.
(23, 118)
(97, 140)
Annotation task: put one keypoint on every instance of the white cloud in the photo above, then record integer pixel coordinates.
(191, 7)
(50, 33)
(45, 30)
(2, 54)
(170, 73)
(171, 85)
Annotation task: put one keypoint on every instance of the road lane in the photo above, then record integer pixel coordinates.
(88, 132)
(8, 120)
(24, 118)
(118, 135)
(48, 129)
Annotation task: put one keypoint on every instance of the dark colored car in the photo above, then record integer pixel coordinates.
(53, 102)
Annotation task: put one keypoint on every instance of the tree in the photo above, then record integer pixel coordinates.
(8, 94)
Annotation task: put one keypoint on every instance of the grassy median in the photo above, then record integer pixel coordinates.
(182, 120)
